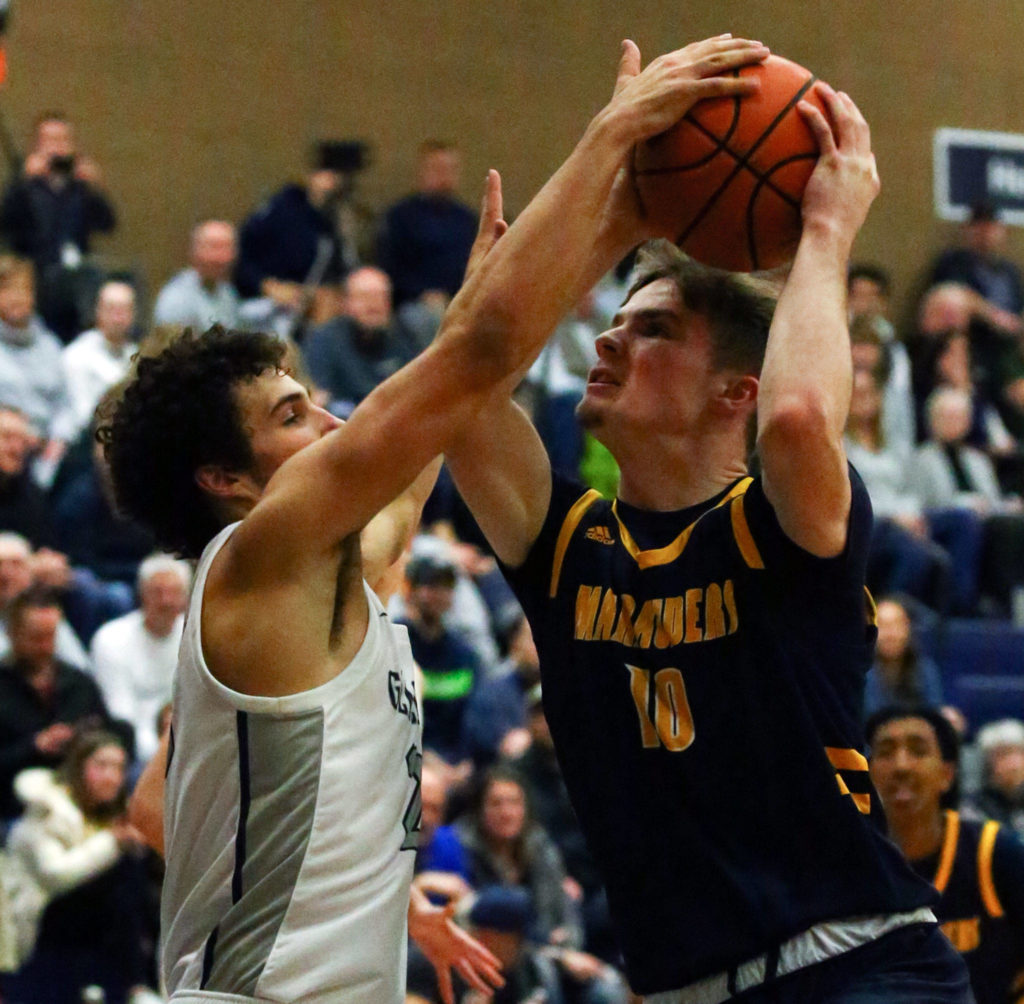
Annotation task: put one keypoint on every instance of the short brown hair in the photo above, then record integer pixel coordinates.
(737, 306)
(12, 267)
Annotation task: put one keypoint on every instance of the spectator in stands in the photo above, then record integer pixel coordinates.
(292, 242)
(996, 364)
(96, 537)
(1002, 795)
(20, 570)
(495, 721)
(868, 290)
(901, 673)
(979, 263)
(476, 600)
(350, 355)
(135, 655)
(902, 558)
(977, 867)
(203, 294)
(450, 667)
(439, 852)
(31, 375)
(49, 215)
(43, 701)
(426, 237)
(948, 475)
(872, 353)
(78, 885)
(99, 358)
(24, 507)
(505, 846)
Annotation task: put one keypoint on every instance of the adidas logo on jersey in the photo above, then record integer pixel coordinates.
(599, 534)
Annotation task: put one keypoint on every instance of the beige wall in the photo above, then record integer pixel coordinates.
(200, 108)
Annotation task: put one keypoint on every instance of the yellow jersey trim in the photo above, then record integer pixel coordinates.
(988, 889)
(744, 538)
(569, 524)
(949, 841)
(872, 610)
(667, 554)
(846, 759)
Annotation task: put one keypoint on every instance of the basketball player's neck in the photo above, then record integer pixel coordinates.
(918, 835)
(665, 476)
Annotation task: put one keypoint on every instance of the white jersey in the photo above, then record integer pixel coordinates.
(291, 826)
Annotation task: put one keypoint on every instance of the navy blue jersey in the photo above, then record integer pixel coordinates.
(703, 680)
(979, 871)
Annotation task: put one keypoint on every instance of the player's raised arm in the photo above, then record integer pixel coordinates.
(805, 383)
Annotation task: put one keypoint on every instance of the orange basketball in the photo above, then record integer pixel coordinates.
(725, 183)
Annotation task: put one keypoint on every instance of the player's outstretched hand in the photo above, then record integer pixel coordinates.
(492, 223)
(448, 947)
(651, 100)
(845, 180)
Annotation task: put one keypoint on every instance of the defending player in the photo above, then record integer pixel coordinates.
(704, 639)
(977, 866)
(291, 800)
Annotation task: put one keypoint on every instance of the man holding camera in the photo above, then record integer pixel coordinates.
(49, 215)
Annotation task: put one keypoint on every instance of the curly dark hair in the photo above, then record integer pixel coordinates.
(178, 412)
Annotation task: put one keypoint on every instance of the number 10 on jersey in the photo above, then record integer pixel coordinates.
(670, 724)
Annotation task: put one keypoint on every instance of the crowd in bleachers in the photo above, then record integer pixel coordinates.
(91, 617)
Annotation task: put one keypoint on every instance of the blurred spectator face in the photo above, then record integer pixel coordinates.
(432, 795)
(368, 297)
(866, 400)
(34, 635)
(439, 172)
(865, 296)
(322, 185)
(987, 237)
(214, 250)
(103, 776)
(1006, 769)
(432, 600)
(945, 308)
(15, 567)
(55, 138)
(893, 630)
(866, 356)
(163, 598)
(907, 768)
(949, 415)
(503, 810)
(115, 311)
(17, 298)
(15, 442)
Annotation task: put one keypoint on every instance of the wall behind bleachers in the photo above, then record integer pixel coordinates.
(201, 108)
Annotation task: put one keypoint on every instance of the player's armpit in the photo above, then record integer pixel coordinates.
(502, 472)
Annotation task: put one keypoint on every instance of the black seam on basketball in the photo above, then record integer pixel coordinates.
(765, 182)
(719, 141)
(716, 195)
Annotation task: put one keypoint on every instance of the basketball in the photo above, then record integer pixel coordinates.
(725, 183)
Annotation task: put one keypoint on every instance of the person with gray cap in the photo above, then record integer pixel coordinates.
(1002, 795)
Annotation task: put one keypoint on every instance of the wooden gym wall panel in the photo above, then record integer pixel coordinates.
(197, 109)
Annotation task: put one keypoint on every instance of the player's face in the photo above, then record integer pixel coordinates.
(280, 420)
(504, 810)
(907, 768)
(654, 370)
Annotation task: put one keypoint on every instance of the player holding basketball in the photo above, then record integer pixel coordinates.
(704, 639)
(292, 788)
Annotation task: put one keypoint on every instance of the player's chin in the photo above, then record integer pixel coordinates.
(590, 412)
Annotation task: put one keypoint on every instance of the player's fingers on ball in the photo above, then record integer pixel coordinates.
(717, 87)
(734, 54)
(819, 126)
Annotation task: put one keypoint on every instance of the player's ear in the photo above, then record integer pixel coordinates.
(739, 392)
(217, 481)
